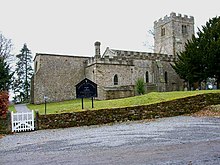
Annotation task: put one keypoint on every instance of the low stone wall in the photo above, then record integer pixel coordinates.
(103, 116)
(119, 92)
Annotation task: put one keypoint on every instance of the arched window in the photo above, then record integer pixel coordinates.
(116, 79)
(147, 77)
(166, 77)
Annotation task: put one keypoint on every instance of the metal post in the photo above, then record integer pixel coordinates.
(82, 103)
(37, 122)
(92, 103)
(45, 101)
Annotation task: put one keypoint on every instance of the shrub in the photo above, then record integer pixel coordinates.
(140, 86)
(4, 103)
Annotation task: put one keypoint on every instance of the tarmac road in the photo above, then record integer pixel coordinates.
(21, 108)
(179, 140)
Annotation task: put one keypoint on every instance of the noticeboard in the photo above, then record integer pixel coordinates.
(86, 89)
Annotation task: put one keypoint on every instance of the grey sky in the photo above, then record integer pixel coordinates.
(72, 26)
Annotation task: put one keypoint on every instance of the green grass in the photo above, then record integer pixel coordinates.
(12, 108)
(150, 98)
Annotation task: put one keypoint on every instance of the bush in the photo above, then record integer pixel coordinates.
(4, 103)
(140, 86)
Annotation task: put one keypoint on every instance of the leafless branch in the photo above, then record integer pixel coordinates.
(151, 32)
(5, 47)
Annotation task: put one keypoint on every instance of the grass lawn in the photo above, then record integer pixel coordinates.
(150, 98)
(12, 108)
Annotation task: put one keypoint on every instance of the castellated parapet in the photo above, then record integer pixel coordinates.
(107, 60)
(174, 16)
(127, 57)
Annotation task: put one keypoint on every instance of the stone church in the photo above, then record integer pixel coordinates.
(115, 71)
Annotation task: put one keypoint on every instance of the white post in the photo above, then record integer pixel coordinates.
(32, 119)
(12, 121)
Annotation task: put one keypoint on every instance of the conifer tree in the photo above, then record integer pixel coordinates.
(24, 71)
(140, 86)
(209, 38)
(201, 58)
(5, 75)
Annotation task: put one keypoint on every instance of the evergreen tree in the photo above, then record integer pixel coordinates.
(5, 75)
(209, 38)
(24, 72)
(140, 86)
(201, 58)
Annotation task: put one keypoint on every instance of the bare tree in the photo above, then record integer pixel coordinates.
(5, 57)
(5, 47)
(150, 34)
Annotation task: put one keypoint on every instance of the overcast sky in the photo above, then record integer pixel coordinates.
(73, 26)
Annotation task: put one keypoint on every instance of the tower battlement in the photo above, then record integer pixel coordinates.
(174, 16)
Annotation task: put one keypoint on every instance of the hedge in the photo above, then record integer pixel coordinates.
(4, 103)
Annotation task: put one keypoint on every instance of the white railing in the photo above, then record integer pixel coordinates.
(23, 121)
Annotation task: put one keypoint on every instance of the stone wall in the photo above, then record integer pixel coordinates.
(133, 67)
(161, 69)
(119, 92)
(96, 117)
(139, 71)
(56, 76)
(103, 75)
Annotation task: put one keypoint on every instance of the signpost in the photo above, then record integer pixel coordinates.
(45, 103)
(86, 89)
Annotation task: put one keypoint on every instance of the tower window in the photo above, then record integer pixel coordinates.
(166, 77)
(147, 77)
(163, 31)
(116, 79)
(184, 29)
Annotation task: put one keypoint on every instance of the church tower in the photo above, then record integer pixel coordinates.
(172, 32)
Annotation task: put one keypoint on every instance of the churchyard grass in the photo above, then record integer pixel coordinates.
(11, 108)
(150, 98)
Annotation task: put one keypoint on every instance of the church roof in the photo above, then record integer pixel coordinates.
(60, 55)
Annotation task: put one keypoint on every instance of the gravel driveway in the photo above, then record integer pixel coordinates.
(179, 140)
